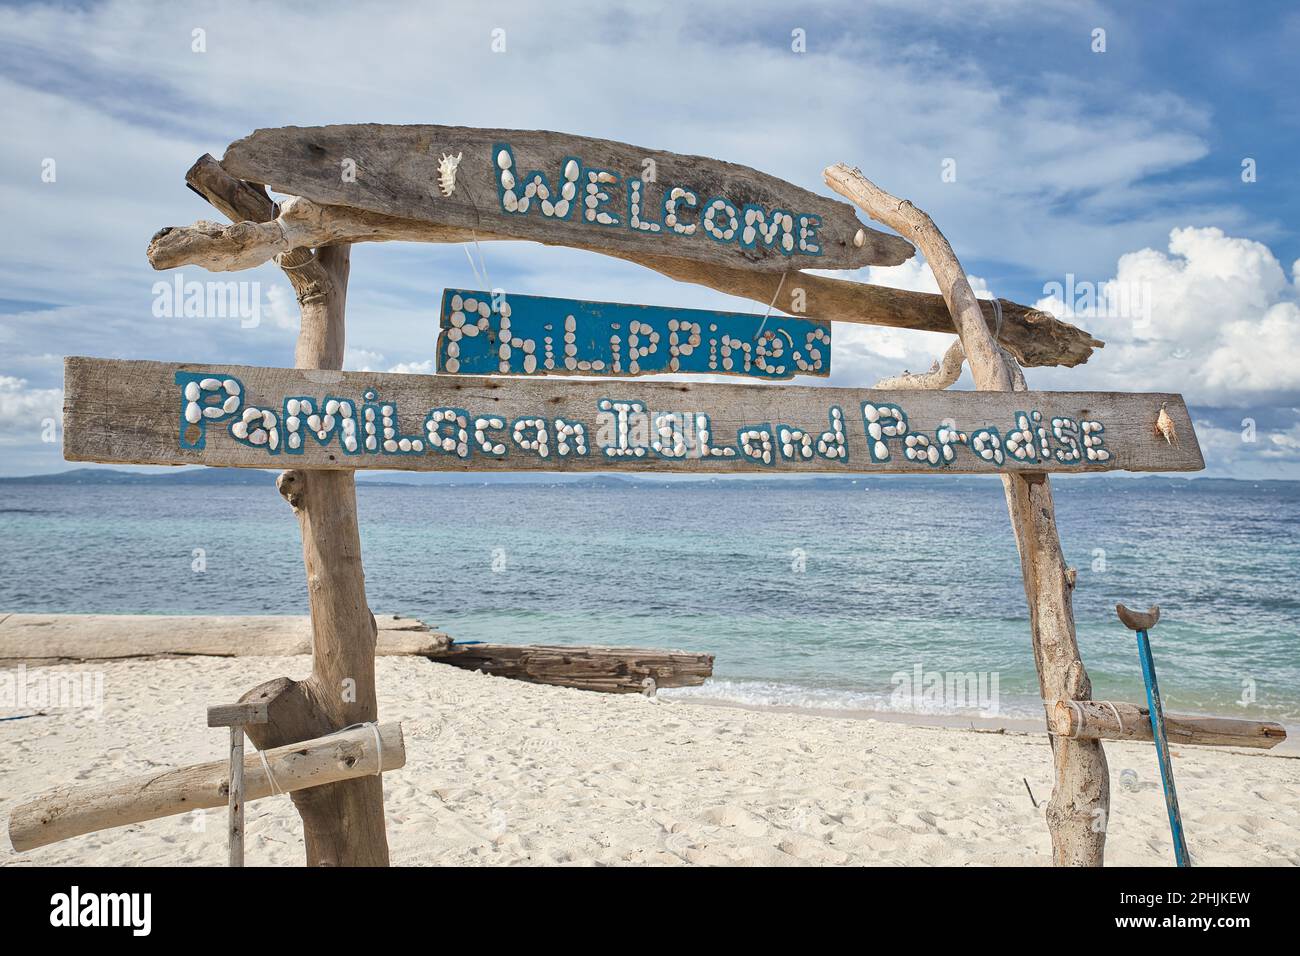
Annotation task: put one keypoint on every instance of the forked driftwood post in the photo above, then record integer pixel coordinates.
(343, 823)
(1080, 804)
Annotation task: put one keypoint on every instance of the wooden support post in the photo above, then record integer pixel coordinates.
(236, 716)
(343, 823)
(1080, 804)
(301, 766)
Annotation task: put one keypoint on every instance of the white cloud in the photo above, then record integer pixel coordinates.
(1214, 318)
(362, 360)
(413, 368)
(282, 307)
(24, 411)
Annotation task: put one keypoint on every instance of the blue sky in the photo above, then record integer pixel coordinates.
(1120, 167)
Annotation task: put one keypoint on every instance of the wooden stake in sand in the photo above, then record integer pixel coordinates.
(236, 716)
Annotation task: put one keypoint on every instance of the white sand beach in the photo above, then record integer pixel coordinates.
(501, 772)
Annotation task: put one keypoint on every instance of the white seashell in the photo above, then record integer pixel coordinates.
(210, 384)
(257, 436)
(390, 445)
(231, 386)
(268, 419)
(293, 406)
(881, 450)
(571, 170)
(239, 430)
(230, 405)
(508, 180)
(193, 413)
(331, 407)
(213, 411)
(503, 159)
(932, 454)
(192, 391)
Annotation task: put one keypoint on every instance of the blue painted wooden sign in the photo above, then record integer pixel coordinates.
(502, 334)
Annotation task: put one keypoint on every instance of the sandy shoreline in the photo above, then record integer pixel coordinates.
(500, 772)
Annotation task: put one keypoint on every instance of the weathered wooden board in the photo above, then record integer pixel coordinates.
(240, 416)
(90, 637)
(566, 190)
(501, 334)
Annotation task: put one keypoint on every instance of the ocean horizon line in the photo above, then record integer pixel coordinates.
(202, 474)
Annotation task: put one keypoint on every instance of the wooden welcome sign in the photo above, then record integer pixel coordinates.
(569, 190)
(695, 219)
(246, 417)
(490, 334)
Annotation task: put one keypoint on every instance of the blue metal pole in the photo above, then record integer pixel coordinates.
(1157, 715)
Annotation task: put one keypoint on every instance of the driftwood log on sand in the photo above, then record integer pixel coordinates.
(612, 670)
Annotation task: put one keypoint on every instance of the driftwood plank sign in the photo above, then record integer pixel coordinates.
(566, 190)
(487, 334)
(240, 416)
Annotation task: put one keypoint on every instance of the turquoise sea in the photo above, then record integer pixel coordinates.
(813, 594)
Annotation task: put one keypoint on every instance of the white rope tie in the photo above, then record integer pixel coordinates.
(270, 777)
(379, 754)
(1114, 710)
(483, 278)
(770, 306)
(278, 260)
(1078, 714)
